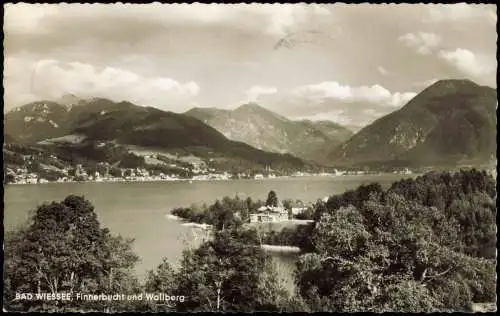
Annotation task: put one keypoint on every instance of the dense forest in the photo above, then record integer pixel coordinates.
(423, 245)
(238, 209)
(228, 211)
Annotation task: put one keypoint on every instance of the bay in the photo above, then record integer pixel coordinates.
(140, 210)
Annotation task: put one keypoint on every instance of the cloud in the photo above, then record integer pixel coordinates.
(337, 116)
(163, 53)
(327, 89)
(375, 94)
(334, 101)
(280, 20)
(25, 17)
(255, 92)
(423, 42)
(382, 71)
(398, 98)
(460, 12)
(425, 83)
(51, 79)
(275, 20)
(468, 63)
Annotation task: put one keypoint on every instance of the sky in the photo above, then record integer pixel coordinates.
(347, 63)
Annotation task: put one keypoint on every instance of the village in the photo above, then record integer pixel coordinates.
(22, 175)
(38, 169)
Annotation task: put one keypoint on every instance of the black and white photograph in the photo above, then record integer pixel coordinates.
(249, 157)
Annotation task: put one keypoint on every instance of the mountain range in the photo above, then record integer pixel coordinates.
(124, 123)
(266, 130)
(450, 122)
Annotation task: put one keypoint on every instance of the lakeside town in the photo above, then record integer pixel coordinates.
(78, 173)
(41, 167)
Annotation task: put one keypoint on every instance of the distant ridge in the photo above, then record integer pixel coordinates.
(252, 124)
(125, 123)
(450, 122)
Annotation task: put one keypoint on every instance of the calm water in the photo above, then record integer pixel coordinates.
(138, 210)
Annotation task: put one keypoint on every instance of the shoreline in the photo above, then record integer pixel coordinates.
(206, 180)
(184, 222)
(280, 248)
(265, 247)
(120, 181)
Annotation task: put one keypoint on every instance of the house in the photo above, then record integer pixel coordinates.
(258, 176)
(268, 217)
(269, 214)
(407, 171)
(263, 208)
(32, 178)
(298, 210)
(339, 172)
(22, 170)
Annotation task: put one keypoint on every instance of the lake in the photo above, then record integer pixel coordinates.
(138, 209)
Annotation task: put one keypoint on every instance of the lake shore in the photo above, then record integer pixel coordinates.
(280, 249)
(190, 180)
(142, 210)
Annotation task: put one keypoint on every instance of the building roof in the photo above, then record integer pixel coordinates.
(271, 209)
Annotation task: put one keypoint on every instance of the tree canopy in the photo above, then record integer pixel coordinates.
(425, 244)
(64, 249)
(272, 199)
(422, 245)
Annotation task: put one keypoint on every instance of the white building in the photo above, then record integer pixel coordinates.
(269, 214)
(22, 170)
(32, 178)
(298, 210)
(407, 171)
(258, 176)
(339, 172)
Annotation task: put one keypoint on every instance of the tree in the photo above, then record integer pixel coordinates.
(394, 253)
(223, 274)
(64, 249)
(115, 172)
(9, 178)
(131, 160)
(162, 280)
(249, 204)
(272, 199)
(12, 158)
(274, 293)
(221, 216)
(287, 204)
(229, 272)
(244, 214)
(355, 197)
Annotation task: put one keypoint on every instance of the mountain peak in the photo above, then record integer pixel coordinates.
(455, 83)
(264, 129)
(254, 109)
(250, 105)
(204, 109)
(449, 86)
(69, 100)
(450, 122)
